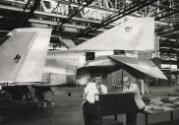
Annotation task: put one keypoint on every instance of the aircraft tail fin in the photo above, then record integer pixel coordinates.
(22, 55)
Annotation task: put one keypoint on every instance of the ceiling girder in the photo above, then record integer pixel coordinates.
(33, 8)
(130, 9)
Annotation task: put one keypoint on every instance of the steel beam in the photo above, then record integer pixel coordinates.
(132, 8)
(168, 33)
(167, 14)
(40, 13)
(170, 40)
(91, 7)
(174, 62)
(75, 12)
(54, 23)
(163, 7)
(33, 8)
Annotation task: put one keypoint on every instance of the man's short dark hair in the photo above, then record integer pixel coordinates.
(99, 75)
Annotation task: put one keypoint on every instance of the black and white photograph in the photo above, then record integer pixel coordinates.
(89, 62)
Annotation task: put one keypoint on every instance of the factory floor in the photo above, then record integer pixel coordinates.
(67, 109)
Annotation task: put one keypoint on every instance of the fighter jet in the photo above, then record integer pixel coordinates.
(23, 55)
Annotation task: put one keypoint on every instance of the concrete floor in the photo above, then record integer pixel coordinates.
(67, 110)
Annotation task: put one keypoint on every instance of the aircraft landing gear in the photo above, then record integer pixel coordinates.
(45, 105)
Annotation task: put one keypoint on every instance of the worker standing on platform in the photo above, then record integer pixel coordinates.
(129, 86)
(92, 89)
(90, 95)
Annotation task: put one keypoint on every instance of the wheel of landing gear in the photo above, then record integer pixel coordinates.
(51, 105)
(45, 105)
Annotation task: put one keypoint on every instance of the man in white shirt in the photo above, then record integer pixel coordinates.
(90, 95)
(93, 89)
(129, 86)
(132, 87)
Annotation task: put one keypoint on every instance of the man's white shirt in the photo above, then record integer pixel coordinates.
(91, 91)
(138, 99)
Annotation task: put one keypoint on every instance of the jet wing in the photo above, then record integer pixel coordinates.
(144, 66)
